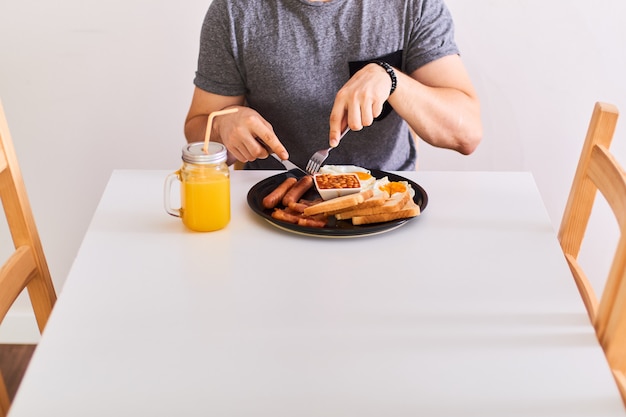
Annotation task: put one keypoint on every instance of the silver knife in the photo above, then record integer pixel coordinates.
(285, 162)
(288, 164)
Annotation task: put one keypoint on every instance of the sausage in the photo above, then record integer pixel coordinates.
(291, 216)
(312, 221)
(310, 202)
(297, 191)
(298, 207)
(285, 216)
(272, 199)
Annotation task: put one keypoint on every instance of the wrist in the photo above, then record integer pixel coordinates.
(391, 72)
(217, 121)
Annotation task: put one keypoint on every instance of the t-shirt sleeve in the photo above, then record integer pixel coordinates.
(432, 35)
(218, 71)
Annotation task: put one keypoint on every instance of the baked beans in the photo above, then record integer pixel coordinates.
(331, 181)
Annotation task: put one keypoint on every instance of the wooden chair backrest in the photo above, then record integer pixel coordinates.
(599, 170)
(620, 378)
(27, 266)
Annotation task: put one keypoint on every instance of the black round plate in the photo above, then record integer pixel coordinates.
(335, 228)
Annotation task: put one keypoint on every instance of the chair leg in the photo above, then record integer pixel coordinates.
(620, 378)
(5, 403)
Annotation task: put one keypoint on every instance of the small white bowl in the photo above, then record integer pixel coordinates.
(329, 186)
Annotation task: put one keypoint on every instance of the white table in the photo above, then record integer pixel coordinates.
(469, 310)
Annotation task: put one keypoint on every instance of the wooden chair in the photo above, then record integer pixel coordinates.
(26, 267)
(620, 378)
(599, 170)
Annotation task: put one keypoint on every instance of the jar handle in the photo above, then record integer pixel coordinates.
(174, 176)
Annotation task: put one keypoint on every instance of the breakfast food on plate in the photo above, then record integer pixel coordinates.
(377, 199)
(299, 206)
(363, 198)
(315, 221)
(332, 181)
(272, 199)
(365, 177)
(409, 210)
(294, 214)
(331, 186)
(397, 196)
(297, 191)
(338, 203)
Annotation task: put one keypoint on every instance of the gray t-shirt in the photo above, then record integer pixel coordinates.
(290, 57)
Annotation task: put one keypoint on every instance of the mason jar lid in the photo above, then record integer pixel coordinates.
(193, 153)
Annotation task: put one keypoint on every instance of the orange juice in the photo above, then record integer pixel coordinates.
(205, 202)
(204, 188)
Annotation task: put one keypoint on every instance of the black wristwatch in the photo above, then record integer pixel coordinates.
(391, 72)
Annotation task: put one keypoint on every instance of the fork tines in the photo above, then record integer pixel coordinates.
(318, 158)
(315, 163)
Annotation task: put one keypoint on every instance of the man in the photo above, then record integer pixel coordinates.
(302, 71)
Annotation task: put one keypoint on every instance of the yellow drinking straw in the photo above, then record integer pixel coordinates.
(209, 125)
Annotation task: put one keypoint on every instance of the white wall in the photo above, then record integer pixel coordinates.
(91, 86)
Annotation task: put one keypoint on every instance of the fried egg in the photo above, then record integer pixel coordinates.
(365, 177)
(392, 187)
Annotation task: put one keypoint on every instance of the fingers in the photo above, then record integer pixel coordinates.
(359, 101)
(271, 141)
(248, 136)
(338, 121)
(257, 145)
(354, 114)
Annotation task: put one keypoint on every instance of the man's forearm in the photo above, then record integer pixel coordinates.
(443, 117)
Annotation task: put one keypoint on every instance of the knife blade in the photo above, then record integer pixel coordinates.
(288, 164)
(285, 162)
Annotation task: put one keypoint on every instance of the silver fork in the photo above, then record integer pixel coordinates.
(318, 158)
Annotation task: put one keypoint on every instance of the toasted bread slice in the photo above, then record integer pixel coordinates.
(376, 200)
(409, 210)
(394, 203)
(338, 203)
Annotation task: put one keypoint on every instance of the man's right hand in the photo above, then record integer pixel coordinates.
(240, 132)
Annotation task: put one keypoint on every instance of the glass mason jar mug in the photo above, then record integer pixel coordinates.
(204, 188)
